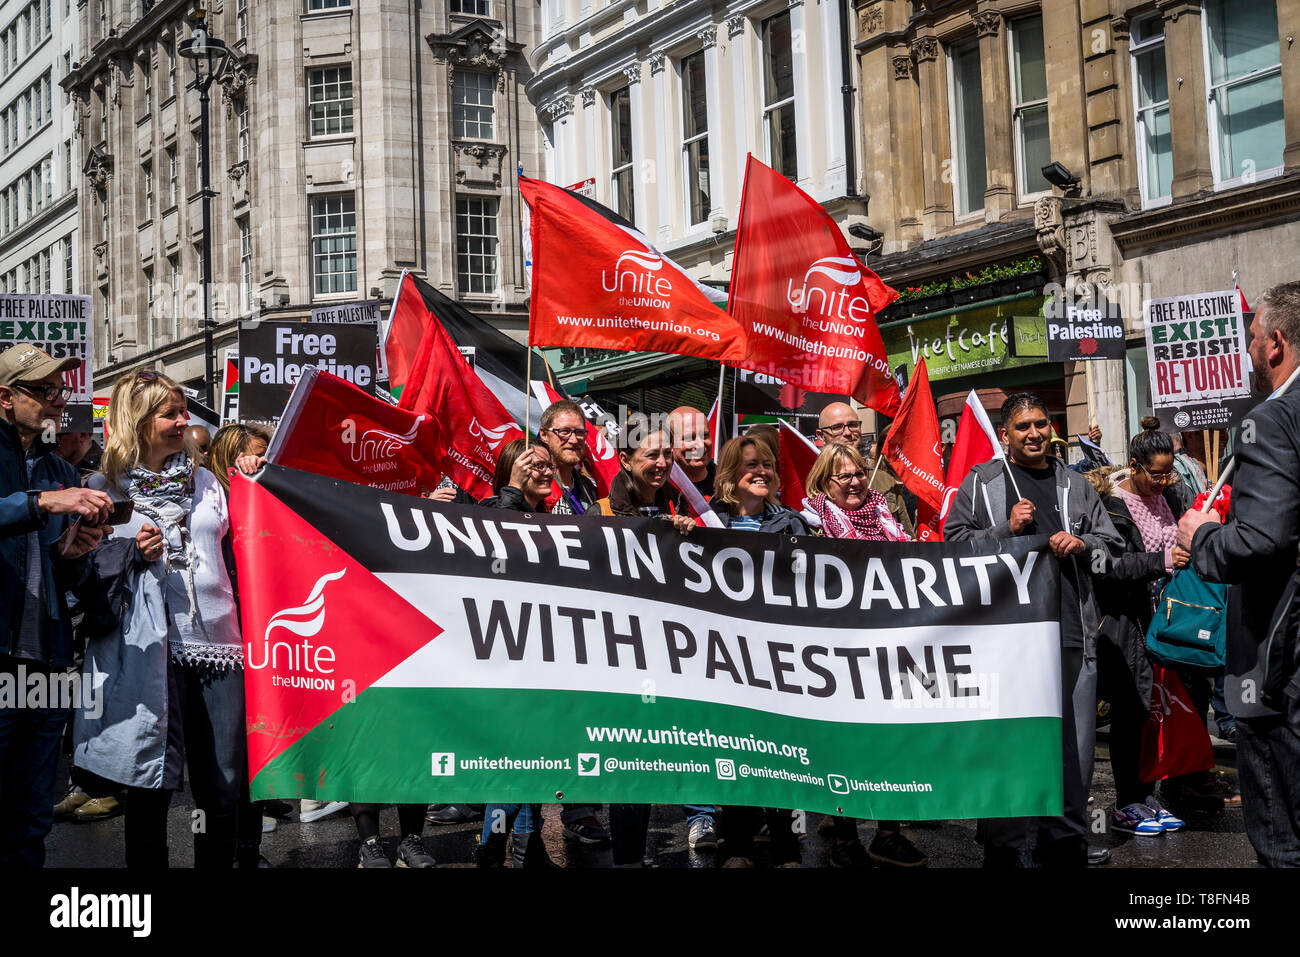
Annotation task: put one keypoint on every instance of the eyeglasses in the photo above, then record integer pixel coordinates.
(1160, 477)
(49, 393)
(143, 378)
(844, 478)
(564, 435)
(841, 427)
(546, 469)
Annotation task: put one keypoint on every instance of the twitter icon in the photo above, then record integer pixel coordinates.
(588, 765)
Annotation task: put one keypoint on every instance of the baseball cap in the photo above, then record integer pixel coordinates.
(27, 362)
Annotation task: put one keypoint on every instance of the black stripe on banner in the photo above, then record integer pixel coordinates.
(790, 580)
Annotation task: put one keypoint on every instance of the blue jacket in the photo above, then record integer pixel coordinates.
(20, 474)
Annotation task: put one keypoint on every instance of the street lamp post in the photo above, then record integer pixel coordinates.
(209, 55)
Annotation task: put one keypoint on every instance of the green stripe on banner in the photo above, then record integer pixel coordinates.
(419, 745)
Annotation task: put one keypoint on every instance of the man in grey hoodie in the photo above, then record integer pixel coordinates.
(1033, 493)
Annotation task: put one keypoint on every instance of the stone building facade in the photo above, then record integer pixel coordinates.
(1179, 121)
(350, 140)
(39, 167)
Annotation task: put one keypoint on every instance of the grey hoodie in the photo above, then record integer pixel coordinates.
(979, 512)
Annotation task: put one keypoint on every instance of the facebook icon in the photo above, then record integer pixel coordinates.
(444, 763)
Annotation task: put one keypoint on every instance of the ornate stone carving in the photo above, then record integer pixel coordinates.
(478, 162)
(633, 73)
(472, 47)
(1119, 29)
(588, 96)
(559, 107)
(238, 175)
(902, 67)
(657, 62)
(735, 26)
(1081, 251)
(98, 168)
(708, 36)
(235, 77)
(871, 19)
(987, 23)
(101, 257)
(1050, 230)
(925, 48)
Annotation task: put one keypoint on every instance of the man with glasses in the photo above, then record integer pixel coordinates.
(42, 556)
(564, 430)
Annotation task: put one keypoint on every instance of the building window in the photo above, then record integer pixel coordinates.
(148, 190)
(620, 115)
(472, 105)
(695, 137)
(174, 278)
(329, 97)
(970, 175)
(315, 5)
(67, 266)
(146, 78)
(1151, 109)
(241, 126)
(778, 96)
(477, 8)
(334, 244)
(67, 165)
(241, 19)
(245, 266)
(1245, 89)
(1029, 89)
(173, 179)
(476, 245)
(169, 49)
(102, 196)
(148, 299)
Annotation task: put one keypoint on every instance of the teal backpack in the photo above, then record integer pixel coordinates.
(1189, 628)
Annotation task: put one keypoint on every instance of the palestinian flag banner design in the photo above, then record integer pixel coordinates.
(404, 650)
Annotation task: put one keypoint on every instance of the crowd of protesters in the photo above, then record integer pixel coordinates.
(125, 570)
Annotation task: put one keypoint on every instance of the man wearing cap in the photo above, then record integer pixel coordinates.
(41, 557)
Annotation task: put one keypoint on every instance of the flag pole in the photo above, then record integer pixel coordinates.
(528, 378)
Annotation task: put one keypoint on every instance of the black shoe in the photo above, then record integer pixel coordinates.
(412, 853)
(276, 809)
(454, 813)
(894, 850)
(372, 854)
(528, 851)
(1004, 858)
(1097, 856)
(850, 854)
(491, 855)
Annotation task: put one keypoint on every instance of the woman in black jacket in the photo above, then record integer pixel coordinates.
(1144, 502)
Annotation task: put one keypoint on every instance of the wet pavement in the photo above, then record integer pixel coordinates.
(1214, 841)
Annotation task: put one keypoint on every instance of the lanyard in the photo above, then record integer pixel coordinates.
(578, 508)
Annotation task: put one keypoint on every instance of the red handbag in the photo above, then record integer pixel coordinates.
(1174, 739)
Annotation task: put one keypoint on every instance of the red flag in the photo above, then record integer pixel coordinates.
(599, 282)
(797, 458)
(406, 324)
(473, 423)
(806, 303)
(976, 444)
(1245, 307)
(913, 447)
(1174, 738)
(332, 428)
(601, 458)
(929, 524)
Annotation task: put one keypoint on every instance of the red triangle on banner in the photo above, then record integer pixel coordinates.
(312, 639)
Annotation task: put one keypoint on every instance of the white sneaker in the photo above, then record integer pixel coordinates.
(268, 824)
(310, 810)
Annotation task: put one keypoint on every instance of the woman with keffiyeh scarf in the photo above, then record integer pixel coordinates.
(172, 676)
(841, 500)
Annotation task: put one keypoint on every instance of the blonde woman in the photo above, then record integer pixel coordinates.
(173, 676)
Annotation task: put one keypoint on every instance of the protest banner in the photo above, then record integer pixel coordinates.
(230, 386)
(360, 313)
(1084, 327)
(273, 354)
(1200, 369)
(415, 651)
(755, 393)
(61, 326)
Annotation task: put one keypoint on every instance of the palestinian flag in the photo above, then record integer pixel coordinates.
(399, 650)
(499, 361)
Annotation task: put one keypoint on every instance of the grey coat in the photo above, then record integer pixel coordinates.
(978, 514)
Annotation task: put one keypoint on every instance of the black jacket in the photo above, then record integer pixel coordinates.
(511, 499)
(1123, 588)
(1256, 551)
